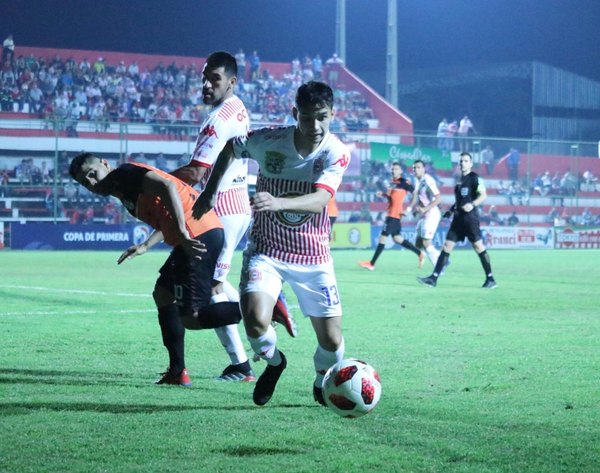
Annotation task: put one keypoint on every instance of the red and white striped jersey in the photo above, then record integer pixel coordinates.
(290, 236)
(426, 189)
(225, 121)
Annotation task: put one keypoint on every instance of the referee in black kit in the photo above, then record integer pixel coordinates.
(469, 193)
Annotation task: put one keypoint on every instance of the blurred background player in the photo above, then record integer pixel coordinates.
(182, 292)
(396, 194)
(333, 212)
(469, 193)
(301, 168)
(425, 203)
(227, 119)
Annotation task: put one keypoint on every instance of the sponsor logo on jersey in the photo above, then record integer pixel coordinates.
(318, 165)
(274, 162)
(464, 191)
(209, 130)
(291, 219)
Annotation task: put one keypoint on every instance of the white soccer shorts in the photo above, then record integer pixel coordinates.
(428, 223)
(235, 227)
(315, 285)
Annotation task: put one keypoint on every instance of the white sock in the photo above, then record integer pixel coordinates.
(264, 346)
(231, 341)
(232, 294)
(324, 359)
(433, 254)
(221, 297)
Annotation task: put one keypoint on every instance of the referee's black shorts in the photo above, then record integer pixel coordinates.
(190, 280)
(465, 225)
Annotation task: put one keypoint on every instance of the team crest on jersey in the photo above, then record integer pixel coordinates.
(274, 162)
(319, 164)
(291, 219)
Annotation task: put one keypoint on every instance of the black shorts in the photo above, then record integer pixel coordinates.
(465, 225)
(392, 226)
(190, 281)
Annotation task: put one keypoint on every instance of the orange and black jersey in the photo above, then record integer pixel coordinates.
(127, 180)
(396, 195)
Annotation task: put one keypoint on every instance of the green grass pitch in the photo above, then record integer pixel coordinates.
(504, 380)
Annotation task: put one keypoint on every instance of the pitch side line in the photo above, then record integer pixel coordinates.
(73, 291)
(77, 312)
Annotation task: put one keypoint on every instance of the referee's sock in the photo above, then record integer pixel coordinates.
(485, 262)
(439, 265)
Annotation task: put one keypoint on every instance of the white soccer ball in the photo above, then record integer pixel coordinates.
(351, 388)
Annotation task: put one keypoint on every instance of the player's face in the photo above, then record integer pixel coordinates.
(396, 171)
(216, 85)
(91, 174)
(313, 123)
(465, 164)
(419, 170)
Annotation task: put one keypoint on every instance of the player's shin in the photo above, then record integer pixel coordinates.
(265, 346)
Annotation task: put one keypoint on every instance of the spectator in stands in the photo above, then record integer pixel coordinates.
(495, 217)
(161, 162)
(464, 129)
(568, 183)
(588, 181)
(587, 218)
(513, 157)
(254, 66)
(45, 173)
(442, 133)
(487, 157)
(450, 132)
(240, 60)
(8, 49)
(317, 66)
(4, 180)
(513, 219)
(552, 215)
(515, 189)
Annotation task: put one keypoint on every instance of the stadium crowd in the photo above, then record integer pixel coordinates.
(63, 89)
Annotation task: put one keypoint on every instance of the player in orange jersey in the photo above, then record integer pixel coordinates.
(396, 194)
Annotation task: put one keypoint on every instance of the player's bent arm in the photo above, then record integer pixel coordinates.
(190, 174)
(155, 237)
(481, 197)
(436, 201)
(314, 202)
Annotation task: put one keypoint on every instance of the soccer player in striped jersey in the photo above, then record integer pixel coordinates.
(425, 203)
(300, 169)
(396, 194)
(227, 119)
(182, 293)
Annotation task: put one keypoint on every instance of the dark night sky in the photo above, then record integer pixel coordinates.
(432, 33)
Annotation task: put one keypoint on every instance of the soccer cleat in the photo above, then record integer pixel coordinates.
(421, 259)
(239, 372)
(281, 315)
(169, 377)
(265, 385)
(318, 395)
(366, 265)
(490, 283)
(429, 281)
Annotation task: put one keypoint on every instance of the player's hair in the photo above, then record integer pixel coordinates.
(314, 93)
(419, 161)
(222, 59)
(464, 153)
(79, 161)
(395, 163)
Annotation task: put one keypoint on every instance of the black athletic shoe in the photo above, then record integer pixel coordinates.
(428, 281)
(318, 395)
(265, 385)
(490, 283)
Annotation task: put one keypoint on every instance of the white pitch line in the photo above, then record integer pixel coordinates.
(77, 312)
(73, 291)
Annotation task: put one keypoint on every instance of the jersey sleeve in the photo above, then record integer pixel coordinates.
(211, 140)
(430, 181)
(336, 164)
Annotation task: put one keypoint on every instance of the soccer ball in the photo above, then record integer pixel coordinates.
(351, 388)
